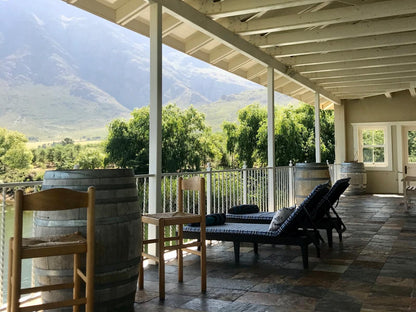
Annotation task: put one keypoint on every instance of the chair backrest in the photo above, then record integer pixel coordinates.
(297, 218)
(330, 198)
(192, 184)
(54, 200)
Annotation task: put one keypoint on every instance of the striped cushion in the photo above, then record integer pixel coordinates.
(259, 216)
(237, 228)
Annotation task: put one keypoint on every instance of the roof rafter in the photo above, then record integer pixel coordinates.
(334, 32)
(207, 25)
(322, 18)
(364, 54)
(237, 7)
(344, 44)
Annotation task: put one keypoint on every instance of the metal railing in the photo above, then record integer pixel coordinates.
(224, 189)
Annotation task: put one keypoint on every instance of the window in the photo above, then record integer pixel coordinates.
(373, 146)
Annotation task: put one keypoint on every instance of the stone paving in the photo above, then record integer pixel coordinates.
(373, 269)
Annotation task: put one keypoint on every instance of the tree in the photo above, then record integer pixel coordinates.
(294, 135)
(186, 140)
(13, 151)
(251, 118)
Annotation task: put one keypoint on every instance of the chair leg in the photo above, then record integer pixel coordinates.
(16, 281)
(180, 254)
(256, 248)
(236, 251)
(9, 280)
(77, 282)
(141, 272)
(161, 257)
(304, 248)
(203, 261)
(329, 236)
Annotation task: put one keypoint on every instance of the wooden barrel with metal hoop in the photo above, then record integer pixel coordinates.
(356, 171)
(307, 176)
(118, 236)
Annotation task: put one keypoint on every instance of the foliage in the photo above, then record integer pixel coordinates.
(294, 135)
(15, 158)
(65, 155)
(187, 142)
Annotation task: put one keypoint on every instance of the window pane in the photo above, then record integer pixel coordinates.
(368, 154)
(379, 137)
(379, 154)
(368, 137)
(411, 143)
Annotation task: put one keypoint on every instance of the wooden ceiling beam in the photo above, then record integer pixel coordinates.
(369, 42)
(335, 32)
(322, 18)
(229, 8)
(355, 55)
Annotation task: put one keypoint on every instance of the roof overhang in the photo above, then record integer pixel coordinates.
(339, 49)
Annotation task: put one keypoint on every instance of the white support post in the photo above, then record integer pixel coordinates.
(209, 189)
(291, 184)
(270, 139)
(155, 115)
(245, 183)
(340, 134)
(317, 129)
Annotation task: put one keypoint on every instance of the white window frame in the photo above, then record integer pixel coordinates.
(358, 128)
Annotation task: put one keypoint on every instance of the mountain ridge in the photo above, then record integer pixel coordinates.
(62, 68)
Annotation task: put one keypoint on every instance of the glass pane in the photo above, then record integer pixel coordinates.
(368, 137)
(379, 154)
(411, 143)
(379, 137)
(368, 154)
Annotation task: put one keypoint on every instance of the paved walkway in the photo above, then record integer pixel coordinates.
(373, 269)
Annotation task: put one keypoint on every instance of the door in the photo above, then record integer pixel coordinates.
(409, 151)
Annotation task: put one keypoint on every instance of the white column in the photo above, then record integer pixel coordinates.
(317, 129)
(340, 141)
(270, 138)
(155, 122)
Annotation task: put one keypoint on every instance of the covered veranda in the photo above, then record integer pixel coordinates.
(356, 57)
(371, 270)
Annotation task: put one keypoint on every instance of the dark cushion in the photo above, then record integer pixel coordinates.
(212, 219)
(240, 209)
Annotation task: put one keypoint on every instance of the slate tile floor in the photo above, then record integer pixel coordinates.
(373, 269)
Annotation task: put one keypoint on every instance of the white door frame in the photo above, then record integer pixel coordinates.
(400, 148)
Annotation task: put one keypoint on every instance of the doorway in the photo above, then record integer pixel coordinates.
(409, 151)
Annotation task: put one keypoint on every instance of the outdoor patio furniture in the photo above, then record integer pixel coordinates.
(409, 191)
(179, 218)
(35, 247)
(289, 233)
(320, 214)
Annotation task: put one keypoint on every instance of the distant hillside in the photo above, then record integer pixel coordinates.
(65, 72)
(226, 109)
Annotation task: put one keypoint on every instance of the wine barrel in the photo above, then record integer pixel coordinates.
(307, 176)
(118, 236)
(355, 171)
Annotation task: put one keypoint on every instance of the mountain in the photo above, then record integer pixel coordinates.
(64, 71)
(226, 108)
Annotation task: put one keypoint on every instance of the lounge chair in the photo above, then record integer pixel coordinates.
(291, 232)
(320, 214)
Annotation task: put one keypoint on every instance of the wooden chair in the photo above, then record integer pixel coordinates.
(34, 247)
(179, 218)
